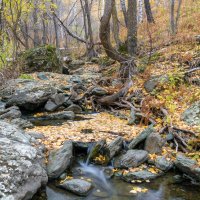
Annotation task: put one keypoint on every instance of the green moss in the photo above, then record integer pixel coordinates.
(25, 76)
(42, 58)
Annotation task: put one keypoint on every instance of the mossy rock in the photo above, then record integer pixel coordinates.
(42, 58)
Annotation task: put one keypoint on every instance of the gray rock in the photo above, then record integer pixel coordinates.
(140, 175)
(28, 94)
(63, 115)
(141, 137)
(2, 106)
(163, 164)
(133, 158)
(55, 102)
(192, 115)
(22, 165)
(59, 160)
(22, 123)
(13, 132)
(96, 149)
(10, 113)
(188, 166)
(74, 108)
(77, 186)
(153, 82)
(36, 135)
(154, 143)
(114, 147)
(98, 91)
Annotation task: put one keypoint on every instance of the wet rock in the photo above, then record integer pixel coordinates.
(10, 113)
(96, 149)
(140, 175)
(192, 115)
(74, 108)
(133, 158)
(108, 172)
(59, 160)
(28, 94)
(163, 163)
(153, 82)
(77, 186)
(114, 147)
(141, 137)
(22, 165)
(188, 166)
(98, 91)
(67, 115)
(55, 102)
(154, 143)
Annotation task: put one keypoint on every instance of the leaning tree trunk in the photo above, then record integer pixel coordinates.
(148, 11)
(127, 63)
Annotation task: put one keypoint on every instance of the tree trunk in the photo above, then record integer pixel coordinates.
(56, 27)
(127, 63)
(132, 27)
(35, 25)
(123, 7)
(91, 51)
(172, 22)
(148, 11)
(116, 26)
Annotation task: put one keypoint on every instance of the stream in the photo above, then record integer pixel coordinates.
(166, 187)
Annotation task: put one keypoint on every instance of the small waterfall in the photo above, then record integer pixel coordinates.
(97, 174)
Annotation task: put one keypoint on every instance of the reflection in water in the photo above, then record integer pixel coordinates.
(163, 188)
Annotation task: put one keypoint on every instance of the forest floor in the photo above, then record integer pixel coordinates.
(176, 96)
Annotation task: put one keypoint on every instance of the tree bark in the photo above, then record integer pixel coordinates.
(148, 11)
(116, 26)
(124, 10)
(35, 25)
(132, 27)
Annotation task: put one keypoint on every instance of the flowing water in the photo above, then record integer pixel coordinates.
(163, 188)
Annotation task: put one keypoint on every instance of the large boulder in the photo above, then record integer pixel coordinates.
(28, 94)
(77, 186)
(141, 137)
(132, 158)
(42, 58)
(59, 160)
(22, 166)
(154, 143)
(188, 166)
(192, 115)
